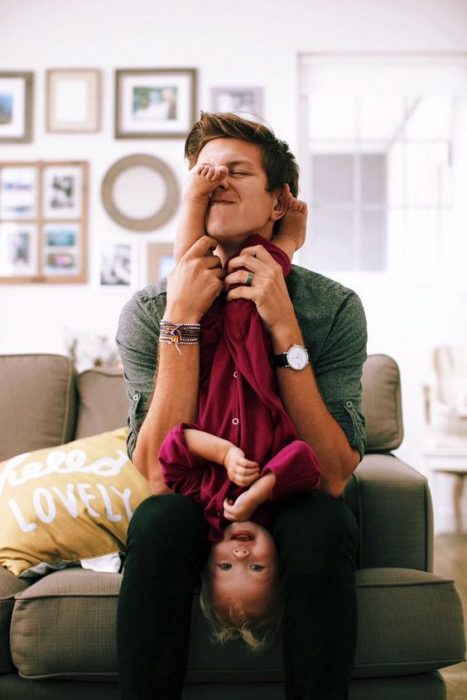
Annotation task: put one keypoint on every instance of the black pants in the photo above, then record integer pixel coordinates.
(317, 538)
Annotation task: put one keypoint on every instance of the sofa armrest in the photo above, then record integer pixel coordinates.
(392, 503)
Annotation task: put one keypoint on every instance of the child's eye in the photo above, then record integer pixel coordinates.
(225, 566)
(256, 567)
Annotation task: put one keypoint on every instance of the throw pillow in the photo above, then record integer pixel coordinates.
(70, 503)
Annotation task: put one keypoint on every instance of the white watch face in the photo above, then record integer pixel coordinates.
(297, 357)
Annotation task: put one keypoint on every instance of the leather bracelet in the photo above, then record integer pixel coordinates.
(179, 333)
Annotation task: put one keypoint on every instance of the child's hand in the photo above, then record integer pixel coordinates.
(242, 509)
(240, 470)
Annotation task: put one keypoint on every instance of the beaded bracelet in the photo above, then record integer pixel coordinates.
(179, 333)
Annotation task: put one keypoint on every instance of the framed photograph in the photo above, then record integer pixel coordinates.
(118, 264)
(73, 100)
(160, 261)
(18, 192)
(154, 103)
(61, 249)
(18, 250)
(244, 100)
(16, 94)
(43, 222)
(63, 188)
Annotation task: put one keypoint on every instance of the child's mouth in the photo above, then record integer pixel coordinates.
(242, 535)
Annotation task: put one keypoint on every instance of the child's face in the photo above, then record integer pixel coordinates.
(243, 569)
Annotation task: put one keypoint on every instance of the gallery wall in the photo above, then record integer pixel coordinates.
(229, 44)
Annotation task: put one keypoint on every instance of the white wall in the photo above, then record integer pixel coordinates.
(230, 43)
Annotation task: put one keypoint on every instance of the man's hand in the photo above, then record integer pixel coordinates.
(268, 291)
(194, 283)
(240, 470)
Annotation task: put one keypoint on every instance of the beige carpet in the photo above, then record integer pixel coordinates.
(450, 561)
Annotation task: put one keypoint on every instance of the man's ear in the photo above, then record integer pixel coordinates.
(281, 202)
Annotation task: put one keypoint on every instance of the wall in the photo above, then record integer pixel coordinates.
(241, 43)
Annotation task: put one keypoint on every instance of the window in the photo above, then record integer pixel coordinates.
(377, 176)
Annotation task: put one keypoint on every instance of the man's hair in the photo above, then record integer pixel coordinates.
(278, 161)
(235, 623)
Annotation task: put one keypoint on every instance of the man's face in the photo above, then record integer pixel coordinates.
(243, 569)
(241, 204)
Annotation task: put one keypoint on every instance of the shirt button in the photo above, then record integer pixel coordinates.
(219, 514)
(349, 404)
(235, 421)
(236, 374)
(135, 397)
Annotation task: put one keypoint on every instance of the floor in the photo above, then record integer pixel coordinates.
(450, 561)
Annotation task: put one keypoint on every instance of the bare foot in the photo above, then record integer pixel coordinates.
(292, 230)
(202, 181)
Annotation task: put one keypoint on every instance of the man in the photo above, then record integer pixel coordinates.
(316, 534)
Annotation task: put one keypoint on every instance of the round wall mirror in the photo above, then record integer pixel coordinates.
(140, 192)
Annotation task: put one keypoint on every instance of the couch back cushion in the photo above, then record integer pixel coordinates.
(38, 407)
(381, 403)
(103, 403)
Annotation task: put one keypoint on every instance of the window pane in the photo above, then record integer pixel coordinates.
(427, 166)
(331, 240)
(373, 173)
(332, 179)
(373, 240)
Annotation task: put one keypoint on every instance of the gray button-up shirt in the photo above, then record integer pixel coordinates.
(333, 324)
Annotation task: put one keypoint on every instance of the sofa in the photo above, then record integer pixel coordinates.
(57, 632)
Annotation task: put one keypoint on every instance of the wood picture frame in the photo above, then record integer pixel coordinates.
(160, 260)
(43, 222)
(73, 100)
(16, 106)
(155, 102)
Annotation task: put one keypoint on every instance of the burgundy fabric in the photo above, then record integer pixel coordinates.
(239, 401)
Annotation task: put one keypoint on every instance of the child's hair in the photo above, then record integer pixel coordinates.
(278, 161)
(258, 635)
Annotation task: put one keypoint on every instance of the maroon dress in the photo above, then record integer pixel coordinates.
(239, 401)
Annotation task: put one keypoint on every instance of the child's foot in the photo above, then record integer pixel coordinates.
(293, 224)
(202, 181)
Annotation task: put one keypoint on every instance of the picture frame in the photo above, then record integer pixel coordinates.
(239, 100)
(125, 188)
(16, 106)
(160, 261)
(118, 264)
(73, 102)
(155, 102)
(43, 222)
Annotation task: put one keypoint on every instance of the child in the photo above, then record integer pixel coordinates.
(241, 585)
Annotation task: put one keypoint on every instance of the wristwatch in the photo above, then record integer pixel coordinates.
(296, 358)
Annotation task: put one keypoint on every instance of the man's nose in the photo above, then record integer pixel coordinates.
(241, 553)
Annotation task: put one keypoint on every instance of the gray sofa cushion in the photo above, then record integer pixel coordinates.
(10, 585)
(103, 403)
(41, 406)
(401, 612)
(381, 403)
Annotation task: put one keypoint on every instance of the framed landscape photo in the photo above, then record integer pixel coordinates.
(16, 95)
(242, 100)
(73, 100)
(154, 103)
(43, 222)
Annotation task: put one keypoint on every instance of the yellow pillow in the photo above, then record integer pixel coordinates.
(64, 504)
